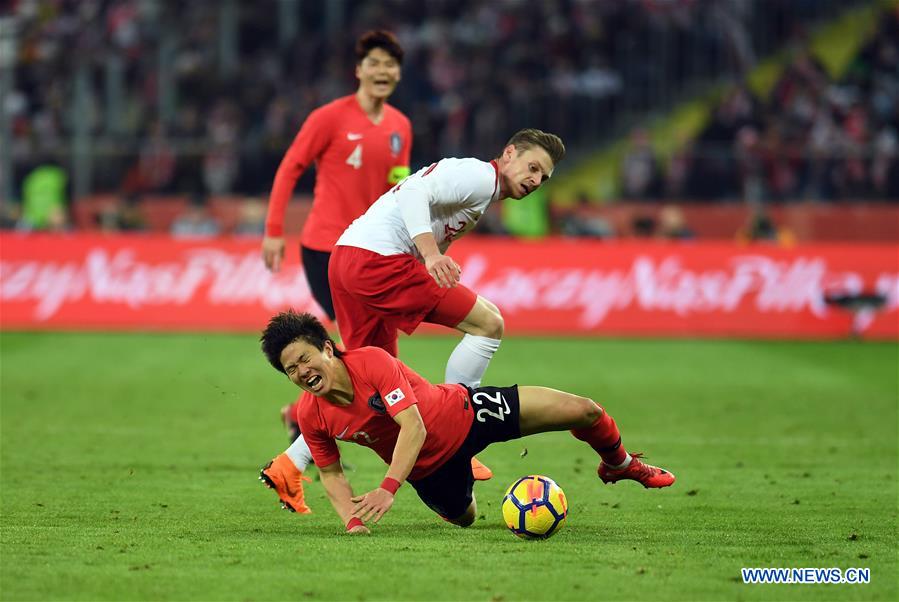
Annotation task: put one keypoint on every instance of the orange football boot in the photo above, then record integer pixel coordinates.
(287, 480)
(480, 471)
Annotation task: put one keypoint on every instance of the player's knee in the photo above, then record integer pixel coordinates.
(489, 325)
(587, 410)
(494, 325)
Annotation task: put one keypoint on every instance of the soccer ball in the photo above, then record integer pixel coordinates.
(534, 507)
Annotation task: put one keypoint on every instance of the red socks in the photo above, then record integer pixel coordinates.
(603, 436)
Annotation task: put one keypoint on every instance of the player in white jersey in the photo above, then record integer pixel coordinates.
(389, 272)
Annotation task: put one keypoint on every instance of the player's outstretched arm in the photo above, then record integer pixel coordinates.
(374, 504)
(309, 143)
(340, 493)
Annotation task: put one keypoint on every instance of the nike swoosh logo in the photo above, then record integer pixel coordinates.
(354, 136)
(340, 436)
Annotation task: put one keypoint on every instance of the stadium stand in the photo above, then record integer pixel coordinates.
(152, 107)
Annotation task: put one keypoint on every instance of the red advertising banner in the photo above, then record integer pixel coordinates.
(566, 287)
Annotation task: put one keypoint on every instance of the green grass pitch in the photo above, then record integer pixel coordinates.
(129, 467)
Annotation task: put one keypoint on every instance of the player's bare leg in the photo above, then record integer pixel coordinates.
(544, 409)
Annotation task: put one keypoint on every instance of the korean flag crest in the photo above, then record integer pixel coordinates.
(394, 396)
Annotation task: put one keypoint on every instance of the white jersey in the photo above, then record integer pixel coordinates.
(446, 198)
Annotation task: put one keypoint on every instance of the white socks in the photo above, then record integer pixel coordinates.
(623, 465)
(299, 453)
(469, 360)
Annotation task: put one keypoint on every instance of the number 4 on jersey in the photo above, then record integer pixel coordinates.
(355, 158)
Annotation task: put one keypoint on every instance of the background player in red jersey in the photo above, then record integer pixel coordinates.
(360, 146)
(426, 433)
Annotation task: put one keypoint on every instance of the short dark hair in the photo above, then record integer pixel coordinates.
(287, 327)
(529, 137)
(379, 38)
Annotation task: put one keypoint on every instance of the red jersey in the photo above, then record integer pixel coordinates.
(382, 387)
(356, 162)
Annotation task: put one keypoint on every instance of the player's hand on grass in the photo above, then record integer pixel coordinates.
(372, 505)
(273, 252)
(444, 270)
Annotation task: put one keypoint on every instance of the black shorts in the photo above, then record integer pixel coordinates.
(448, 490)
(315, 264)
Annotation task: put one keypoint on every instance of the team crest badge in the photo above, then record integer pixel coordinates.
(377, 404)
(396, 143)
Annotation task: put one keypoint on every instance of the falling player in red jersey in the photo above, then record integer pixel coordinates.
(361, 147)
(425, 433)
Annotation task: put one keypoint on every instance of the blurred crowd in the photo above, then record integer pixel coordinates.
(203, 98)
(813, 138)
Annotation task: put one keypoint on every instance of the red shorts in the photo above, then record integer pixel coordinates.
(376, 295)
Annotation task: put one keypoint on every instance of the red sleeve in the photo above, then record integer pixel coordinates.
(323, 447)
(406, 156)
(309, 144)
(385, 375)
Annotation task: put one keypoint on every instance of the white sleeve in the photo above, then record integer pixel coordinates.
(413, 200)
(452, 182)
